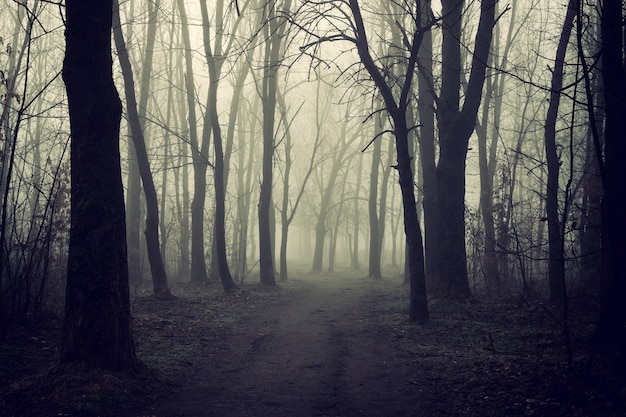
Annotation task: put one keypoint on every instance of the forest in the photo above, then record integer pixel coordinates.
(312, 207)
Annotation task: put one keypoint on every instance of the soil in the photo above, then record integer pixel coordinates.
(319, 345)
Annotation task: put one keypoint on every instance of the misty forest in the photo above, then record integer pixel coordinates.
(312, 207)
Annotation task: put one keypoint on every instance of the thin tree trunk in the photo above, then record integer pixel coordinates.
(486, 169)
(215, 61)
(426, 140)
(273, 44)
(418, 305)
(556, 262)
(157, 268)
(374, 242)
(199, 158)
(355, 264)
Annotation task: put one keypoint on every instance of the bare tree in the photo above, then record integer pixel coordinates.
(288, 207)
(200, 158)
(396, 105)
(612, 323)
(97, 326)
(456, 125)
(274, 32)
(157, 267)
(556, 263)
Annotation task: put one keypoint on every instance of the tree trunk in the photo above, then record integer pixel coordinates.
(157, 268)
(133, 215)
(244, 179)
(199, 158)
(486, 168)
(556, 261)
(214, 61)
(287, 213)
(418, 304)
(182, 181)
(427, 152)
(97, 326)
(612, 324)
(372, 204)
(455, 128)
(355, 264)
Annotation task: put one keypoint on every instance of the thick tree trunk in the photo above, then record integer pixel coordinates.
(97, 326)
(455, 128)
(612, 323)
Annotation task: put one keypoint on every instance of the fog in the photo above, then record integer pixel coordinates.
(271, 136)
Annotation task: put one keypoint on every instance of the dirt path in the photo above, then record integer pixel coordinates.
(322, 346)
(321, 353)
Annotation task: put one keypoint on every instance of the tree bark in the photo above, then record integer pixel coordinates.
(199, 156)
(97, 326)
(273, 44)
(372, 205)
(215, 61)
(157, 268)
(556, 261)
(612, 324)
(418, 304)
(355, 263)
(427, 151)
(455, 128)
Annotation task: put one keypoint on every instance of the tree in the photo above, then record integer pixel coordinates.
(157, 267)
(612, 322)
(396, 92)
(372, 205)
(214, 55)
(199, 156)
(397, 109)
(97, 326)
(427, 150)
(456, 125)
(274, 32)
(556, 262)
(288, 208)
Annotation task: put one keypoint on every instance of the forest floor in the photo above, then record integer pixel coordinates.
(319, 345)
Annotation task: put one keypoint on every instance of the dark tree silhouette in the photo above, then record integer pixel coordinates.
(556, 264)
(456, 125)
(157, 267)
(612, 325)
(397, 109)
(97, 327)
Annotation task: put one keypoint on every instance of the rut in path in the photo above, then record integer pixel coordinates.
(320, 354)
